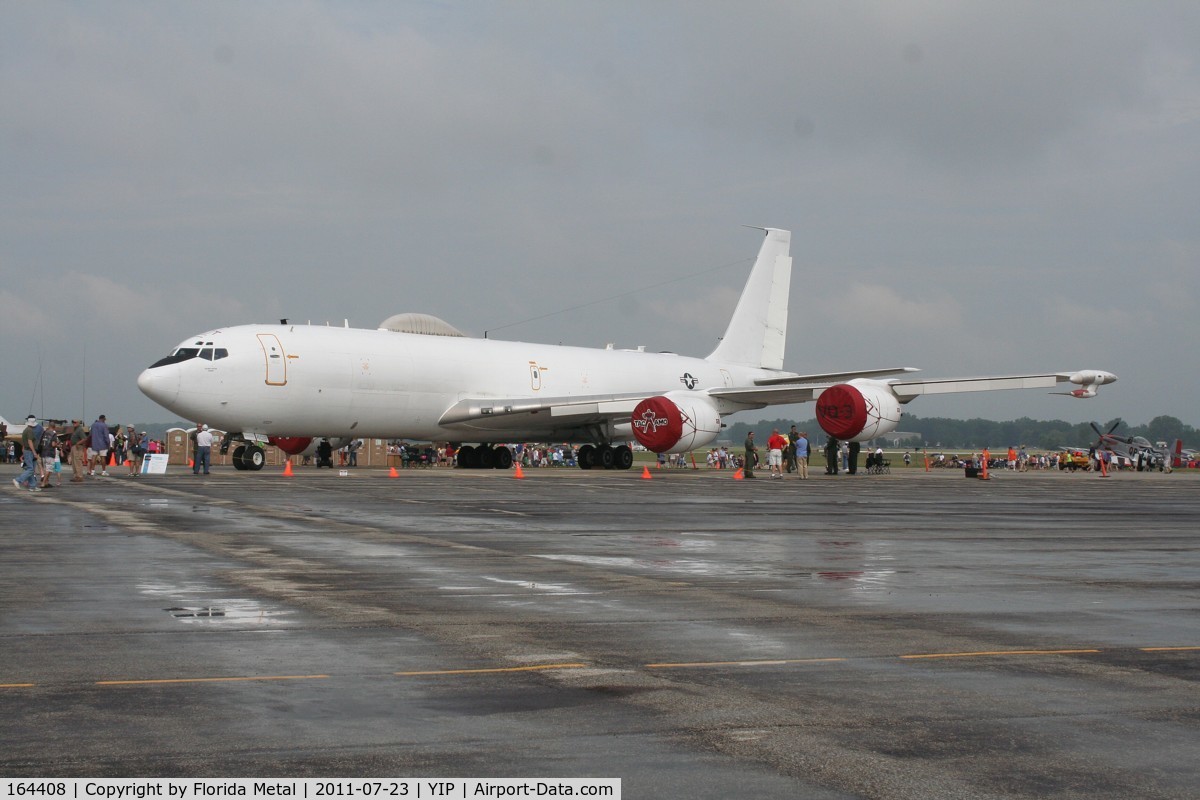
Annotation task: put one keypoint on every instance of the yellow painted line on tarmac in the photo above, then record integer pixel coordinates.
(762, 663)
(243, 679)
(655, 666)
(986, 653)
(1167, 649)
(534, 668)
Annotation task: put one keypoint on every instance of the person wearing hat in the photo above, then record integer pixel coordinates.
(100, 444)
(79, 440)
(135, 450)
(204, 440)
(30, 437)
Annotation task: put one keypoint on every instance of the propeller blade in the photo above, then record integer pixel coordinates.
(1096, 428)
(1114, 425)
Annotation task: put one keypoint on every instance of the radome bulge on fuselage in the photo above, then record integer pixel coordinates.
(416, 377)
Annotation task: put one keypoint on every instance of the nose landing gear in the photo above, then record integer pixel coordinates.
(249, 457)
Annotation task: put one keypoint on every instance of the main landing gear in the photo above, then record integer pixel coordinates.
(484, 457)
(590, 456)
(605, 456)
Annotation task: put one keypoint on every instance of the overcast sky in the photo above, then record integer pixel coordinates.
(973, 188)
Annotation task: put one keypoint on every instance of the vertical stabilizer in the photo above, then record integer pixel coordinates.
(756, 334)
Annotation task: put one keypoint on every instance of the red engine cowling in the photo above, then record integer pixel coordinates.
(292, 445)
(858, 411)
(675, 422)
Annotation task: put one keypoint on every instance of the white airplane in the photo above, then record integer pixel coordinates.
(416, 377)
(12, 430)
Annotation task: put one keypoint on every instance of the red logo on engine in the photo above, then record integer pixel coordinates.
(842, 411)
(657, 423)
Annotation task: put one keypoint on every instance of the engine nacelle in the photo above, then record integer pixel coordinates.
(858, 411)
(676, 422)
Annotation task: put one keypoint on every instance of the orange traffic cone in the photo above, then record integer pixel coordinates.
(112, 458)
(287, 468)
(646, 474)
(737, 474)
(518, 474)
(392, 473)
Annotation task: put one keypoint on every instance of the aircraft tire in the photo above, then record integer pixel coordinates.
(586, 456)
(255, 458)
(239, 455)
(467, 457)
(622, 457)
(603, 457)
(504, 458)
(487, 457)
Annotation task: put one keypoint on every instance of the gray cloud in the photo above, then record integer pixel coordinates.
(1011, 170)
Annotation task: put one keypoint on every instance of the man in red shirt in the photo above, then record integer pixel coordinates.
(775, 445)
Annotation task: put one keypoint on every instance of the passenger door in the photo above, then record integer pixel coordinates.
(276, 360)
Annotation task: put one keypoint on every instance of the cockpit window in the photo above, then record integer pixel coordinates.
(187, 353)
(182, 354)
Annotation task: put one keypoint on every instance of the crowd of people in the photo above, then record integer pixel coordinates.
(785, 454)
(46, 448)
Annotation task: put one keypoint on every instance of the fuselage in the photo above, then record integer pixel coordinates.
(304, 380)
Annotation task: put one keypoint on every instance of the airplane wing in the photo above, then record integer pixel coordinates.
(500, 414)
(549, 413)
(560, 414)
(907, 390)
(802, 389)
(833, 377)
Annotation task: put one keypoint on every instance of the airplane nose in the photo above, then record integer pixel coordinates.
(161, 385)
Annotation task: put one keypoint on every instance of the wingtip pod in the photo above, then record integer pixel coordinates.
(1092, 377)
(1088, 379)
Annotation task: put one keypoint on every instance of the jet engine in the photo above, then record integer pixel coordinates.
(676, 422)
(858, 411)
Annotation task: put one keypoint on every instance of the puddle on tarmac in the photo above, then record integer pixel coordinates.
(195, 604)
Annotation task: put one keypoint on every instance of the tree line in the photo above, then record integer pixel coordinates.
(943, 432)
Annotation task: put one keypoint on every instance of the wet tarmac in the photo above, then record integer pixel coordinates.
(905, 636)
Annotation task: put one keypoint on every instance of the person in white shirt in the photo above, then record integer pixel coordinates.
(203, 450)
